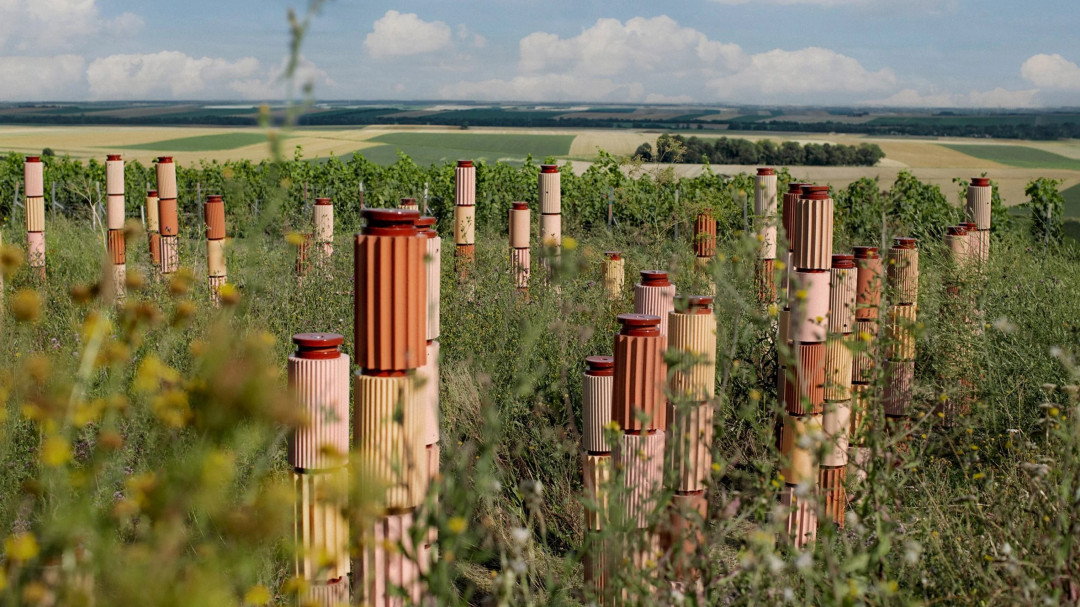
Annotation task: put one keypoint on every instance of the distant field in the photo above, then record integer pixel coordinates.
(426, 148)
(201, 143)
(1072, 201)
(1018, 156)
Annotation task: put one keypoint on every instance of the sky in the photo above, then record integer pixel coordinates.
(918, 53)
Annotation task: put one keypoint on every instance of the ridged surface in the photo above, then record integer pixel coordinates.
(978, 205)
(116, 246)
(797, 454)
(861, 396)
(388, 564)
(390, 302)
(983, 247)
(765, 281)
(520, 262)
(656, 301)
(214, 214)
(464, 225)
(836, 426)
(899, 376)
(114, 211)
(152, 223)
(550, 193)
(155, 248)
(865, 355)
(215, 257)
(433, 277)
(693, 336)
(801, 524)
(689, 440)
(595, 411)
(960, 249)
(783, 327)
(321, 388)
(870, 280)
(464, 186)
(215, 283)
(809, 298)
(640, 377)
(33, 179)
(641, 459)
(322, 216)
(432, 474)
(838, 369)
(596, 470)
(684, 534)
(166, 180)
(170, 254)
(35, 214)
(787, 215)
(167, 217)
(427, 382)
(597, 568)
(333, 594)
(321, 530)
(388, 434)
(765, 195)
(614, 276)
(842, 285)
(704, 235)
(767, 237)
(35, 249)
(903, 273)
(804, 390)
(551, 230)
(813, 234)
(899, 333)
(831, 485)
(519, 229)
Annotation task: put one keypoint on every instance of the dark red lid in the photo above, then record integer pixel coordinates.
(426, 226)
(971, 226)
(464, 163)
(164, 159)
(766, 171)
(843, 261)
(408, 201)
(654, 278)
(640, 325)
(795, 187)
(957, 230)
(903, 242)
(318, 345)
(390, 222)
(613, 255)
(322, 202)
(865, 252)
(599, 365)
(980, 181)
(211, 198)
(519, 206)
(152, 193)
(815, 192)
(112, 157)
(549, 168)
(694, 304)
(33, 159)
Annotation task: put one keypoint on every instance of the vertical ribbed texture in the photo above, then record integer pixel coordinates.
(836, 426)
(321, 528)
(860, 405)
(899, 333)
(596, 393)
(693, 336)
(119, 280)
(170, 254)
(838, 368)
(813, 234)
(464, 225)
(804, 389)
(433, 276)
(765, 281)
(116, 246)
(655, 301)
(978, 205)
(114, 211)
(899, 376)
(765, 195)
(783, 327)
(690, 446)
(35, 214)
(799, 463)
(551, 230)
(831, 485)
(983, 238)
(520, 260)
(842, 285)
(427, 382)
(327, 595)
(388, 433)
(550, 193)
(597, 564)
(34, 179)
(597, 475)
(802, 521)
(166, 180)
(787, 216)
(390, 302)
(870, 280)
(903, 272)
(788, 270)
(323, 218)
(640, 376)
(388, 564)
(862, 368)
(705, 235)
(155, 248)
(114, 177)
(809, 298)
(614, 276)
(321, 388)
(960, 248)
(215, 257)
(519, 228)
(35, 249)
(684, 535)
(641, 459)
(215, 283)
(152, 224)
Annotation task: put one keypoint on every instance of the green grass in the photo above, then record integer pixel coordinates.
(428, 148)
(1017, 156)
(201, 143)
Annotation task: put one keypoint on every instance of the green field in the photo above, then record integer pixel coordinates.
(427, 148)
(1017, 156)
(201, 143)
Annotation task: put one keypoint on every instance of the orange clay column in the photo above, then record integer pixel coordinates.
(519, 246)
(318, 453)
(836, 422)
(869, 282)
(389, 421)
(409, 204)
(322, 215)
(549, 186)
(902, 271)
(614, 274)
(704, 238)
(214, 212)
(596, 391)
(655, 296)
(692, 386)
(34, 186)
(765, 215)
(114, 213)
(153, 228)
(465, 215)
(427, 376)
(167, 215)
(979, 196)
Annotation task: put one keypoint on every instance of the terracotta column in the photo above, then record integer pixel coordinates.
(114, 212)
(655, 295)
(704, 238)
(869, 283)
(167, 215)
(836, 422)
(318, 453)
(428, 375)
(34, 188)
(765, 216)
(389, 420)
(323, 219)
(550, 196)
(979, 196)
(614, 273)
(409, 204)
(902, 271)
(214, 212)
(465, 215)
(596, 391)
(519, 246)
(153, 228)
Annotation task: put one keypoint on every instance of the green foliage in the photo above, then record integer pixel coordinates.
(724, 150)
(1047, 207)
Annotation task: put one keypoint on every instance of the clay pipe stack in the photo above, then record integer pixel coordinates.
(836, 422)
(114, 213)
(153, 228)
(614, 273)
(549, 191)
(902, 271)
(520, 257)
(655, 296)
(979, 196)
(167, 215)
(389, 420)
(214, 211)
(958, 307)
(34, 186)
(704, 238)
(765, 216)
(465, 216)
(596, 465)
(428, 375)
(317, 453)
(322, 215)
(869, 282)
(783, 341)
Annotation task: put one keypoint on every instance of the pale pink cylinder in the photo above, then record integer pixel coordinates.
(321, 387)
(519, 226)
(114, 176)
(690, 445)
(389, 561)
(323, 217)
(550, 190)
(166, 179)
(33, 177)
(641, 458)
(427, 379)
(114, 211)
(809, 306)
(655, 301)
(35, 249)
(433, 274)
(520, 260)
(464, 184)
(596, 393)
(170, 254)
(835, 425)
(979, 197)
(842, 284)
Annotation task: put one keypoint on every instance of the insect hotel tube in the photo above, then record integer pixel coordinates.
(902, 271)
(786, 269)
(465, 215)
(167, 215)
(317, 452)
(979, 196)
(153, 229)
(520, 261)
(596, 394)
(322, 216)
(655, 295)
(704, 238)
(427, 376)
(836, 421)
(114, 213)
(957, 308)
(765, 218)
(34, 186)
(614, 273)
(549, 190)
(214, 212)
(409, 204)
(389, 421)
(800, 474)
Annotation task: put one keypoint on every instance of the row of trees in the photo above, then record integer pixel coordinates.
(724, 150)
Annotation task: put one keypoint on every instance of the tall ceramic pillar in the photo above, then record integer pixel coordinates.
(596, 392)
(836, 422)
(655, 295)
(114, 212)
(765, 214)
(428, 374)
(167, 215)
(153, 228)
(783, 341)
(519, 245)
(869, 283)
(34, 187)
(902, 271)
(614, 273)
(550, 196)
(465, 215)
(704, 238)
(979, 196)
(214, 211)
(323, 219)
(958, 308)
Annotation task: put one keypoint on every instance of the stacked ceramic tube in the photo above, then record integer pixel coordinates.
(389, 419)
(114, 213)
(596, 393)
(692, 386)
(409, 204)
(979, 196)
(34, 186)
(655, 296)
(520, 258)
(869, 282)
(614, 273)
(902, 270)
(804, 389)
(317, 452)
(836, 422)
(323, 220)
(765, 215)
(783, 341)
(639, 408)
(167, 215)
(214, 212)
(465, 214)
(428, 375)
(153, 228)
(549, 186)
(958, 308)
(704, 238)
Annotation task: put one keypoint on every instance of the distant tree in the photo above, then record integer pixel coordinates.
(644, 152)
(48, 152)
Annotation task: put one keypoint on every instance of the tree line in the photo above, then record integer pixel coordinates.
(724, 150)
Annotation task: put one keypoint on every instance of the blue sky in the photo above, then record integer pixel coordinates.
(940, 53)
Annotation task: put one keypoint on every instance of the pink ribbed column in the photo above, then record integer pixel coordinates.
(214, 212)
(549, 191)
(322, 216)
(428, 374)
(34, 204)
(836, 423)
(655, 296)
(869, 284)
(902, 269)
(114, 212)
(167, 215)
(519, 245)
(153, 228)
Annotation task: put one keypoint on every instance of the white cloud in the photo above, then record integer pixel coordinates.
(29, 25)
(996, 98)
(804, 72)
(273, 87)
(402, 34)
(40, 78)
(165, 75)
(545, 87)
(882, 6)
(1052, 72)
(668, 99)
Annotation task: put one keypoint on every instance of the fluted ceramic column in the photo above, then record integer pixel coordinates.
(428, 374)
(979, 196)
(596, 391)
(655, 295)
(958, 311)
(549, 186)
(765, 218)
(519, 245)
(389, 422)
(318, 453)
(836, 422)
(153, 228)
(167, 215)
(869, 283)
(902, 271)
(114, 212)
(214, 211)
(322, 215)
(34, 203)
(786, 267)
(465, 215)
(704, 238)
(409, 204)
(614, 273)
